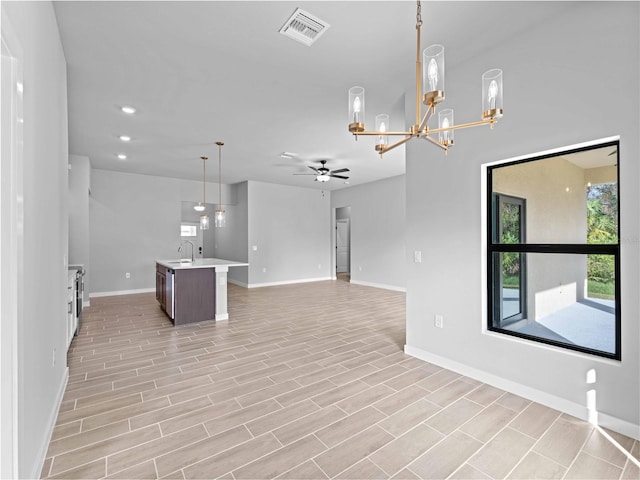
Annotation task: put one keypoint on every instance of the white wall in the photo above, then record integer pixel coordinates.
(79, 186)
(42, 281)
(378, 256)
(231, 242)
(135, 220)
(290, 228)
(445, 212)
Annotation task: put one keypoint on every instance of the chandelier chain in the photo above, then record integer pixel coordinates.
(419, 16)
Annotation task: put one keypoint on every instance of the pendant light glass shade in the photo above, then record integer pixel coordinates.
(204, 222)
(220, 218)
(201, 206)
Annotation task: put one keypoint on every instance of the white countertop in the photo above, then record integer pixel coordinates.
(200, 263)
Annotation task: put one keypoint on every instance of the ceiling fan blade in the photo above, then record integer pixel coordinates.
(338, 176)
(313, 168)
(341, 170)
(304, 174)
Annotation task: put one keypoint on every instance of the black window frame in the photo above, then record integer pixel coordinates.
(493, 248)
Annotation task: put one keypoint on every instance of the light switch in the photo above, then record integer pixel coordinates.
(417, 256)
(254, 248)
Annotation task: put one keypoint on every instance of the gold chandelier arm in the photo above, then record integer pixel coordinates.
(488, 121)
(430, 112)
(436, 143)
(394, 145)
(384, 133)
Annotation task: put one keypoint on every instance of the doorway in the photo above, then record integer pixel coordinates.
(343, 241)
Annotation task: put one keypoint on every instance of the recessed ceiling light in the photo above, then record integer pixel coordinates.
(122, 156)
(128, 109)
(125, 138)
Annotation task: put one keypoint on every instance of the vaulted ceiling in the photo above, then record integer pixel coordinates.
(199, 72)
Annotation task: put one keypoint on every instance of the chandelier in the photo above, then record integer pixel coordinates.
(430, 80)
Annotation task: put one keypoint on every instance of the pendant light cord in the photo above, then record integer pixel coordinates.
(220, 144)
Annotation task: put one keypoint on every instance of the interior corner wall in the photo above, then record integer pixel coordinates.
(42, 289)
(134, 221)
(550, 102)
(289, 226)
(232, 241)
(79, 187)
(377, 225)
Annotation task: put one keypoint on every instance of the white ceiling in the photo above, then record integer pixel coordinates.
(201, 71)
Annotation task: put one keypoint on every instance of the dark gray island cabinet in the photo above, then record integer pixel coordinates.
(193, 291)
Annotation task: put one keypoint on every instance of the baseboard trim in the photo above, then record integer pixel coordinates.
(552, 401)
(378, 285)
(121, 292)
(237, 282)
(288, 282)
(42, 454)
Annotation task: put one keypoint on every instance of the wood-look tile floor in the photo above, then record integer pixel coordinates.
(304, 381)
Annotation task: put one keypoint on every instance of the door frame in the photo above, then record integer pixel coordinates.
(11, 251)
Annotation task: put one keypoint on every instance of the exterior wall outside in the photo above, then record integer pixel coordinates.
(553, 215)
(377, 230)
(42, 276)
(446, 210)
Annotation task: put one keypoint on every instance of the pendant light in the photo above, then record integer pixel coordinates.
(219, 213)
(201, 206)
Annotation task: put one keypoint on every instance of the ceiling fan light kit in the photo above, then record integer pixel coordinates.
(429, 79)
(323, 174)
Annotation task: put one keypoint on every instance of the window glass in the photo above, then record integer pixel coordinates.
(553, 251)
(188, 230)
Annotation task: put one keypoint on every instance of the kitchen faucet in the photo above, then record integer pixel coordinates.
(190, 243)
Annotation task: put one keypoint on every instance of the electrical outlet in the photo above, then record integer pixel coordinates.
(438, 321)
(127, 275)
(417, 256)
(264, 270)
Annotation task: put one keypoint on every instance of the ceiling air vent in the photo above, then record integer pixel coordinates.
(304, 27)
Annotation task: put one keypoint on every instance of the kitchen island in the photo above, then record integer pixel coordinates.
(193, 291)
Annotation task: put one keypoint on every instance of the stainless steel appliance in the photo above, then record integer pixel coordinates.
(80, 273)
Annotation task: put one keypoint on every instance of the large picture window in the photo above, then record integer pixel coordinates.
(553, 259)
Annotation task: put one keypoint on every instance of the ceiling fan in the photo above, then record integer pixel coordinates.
(323, 174)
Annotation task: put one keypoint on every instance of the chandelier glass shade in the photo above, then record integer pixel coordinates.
(430, 80)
